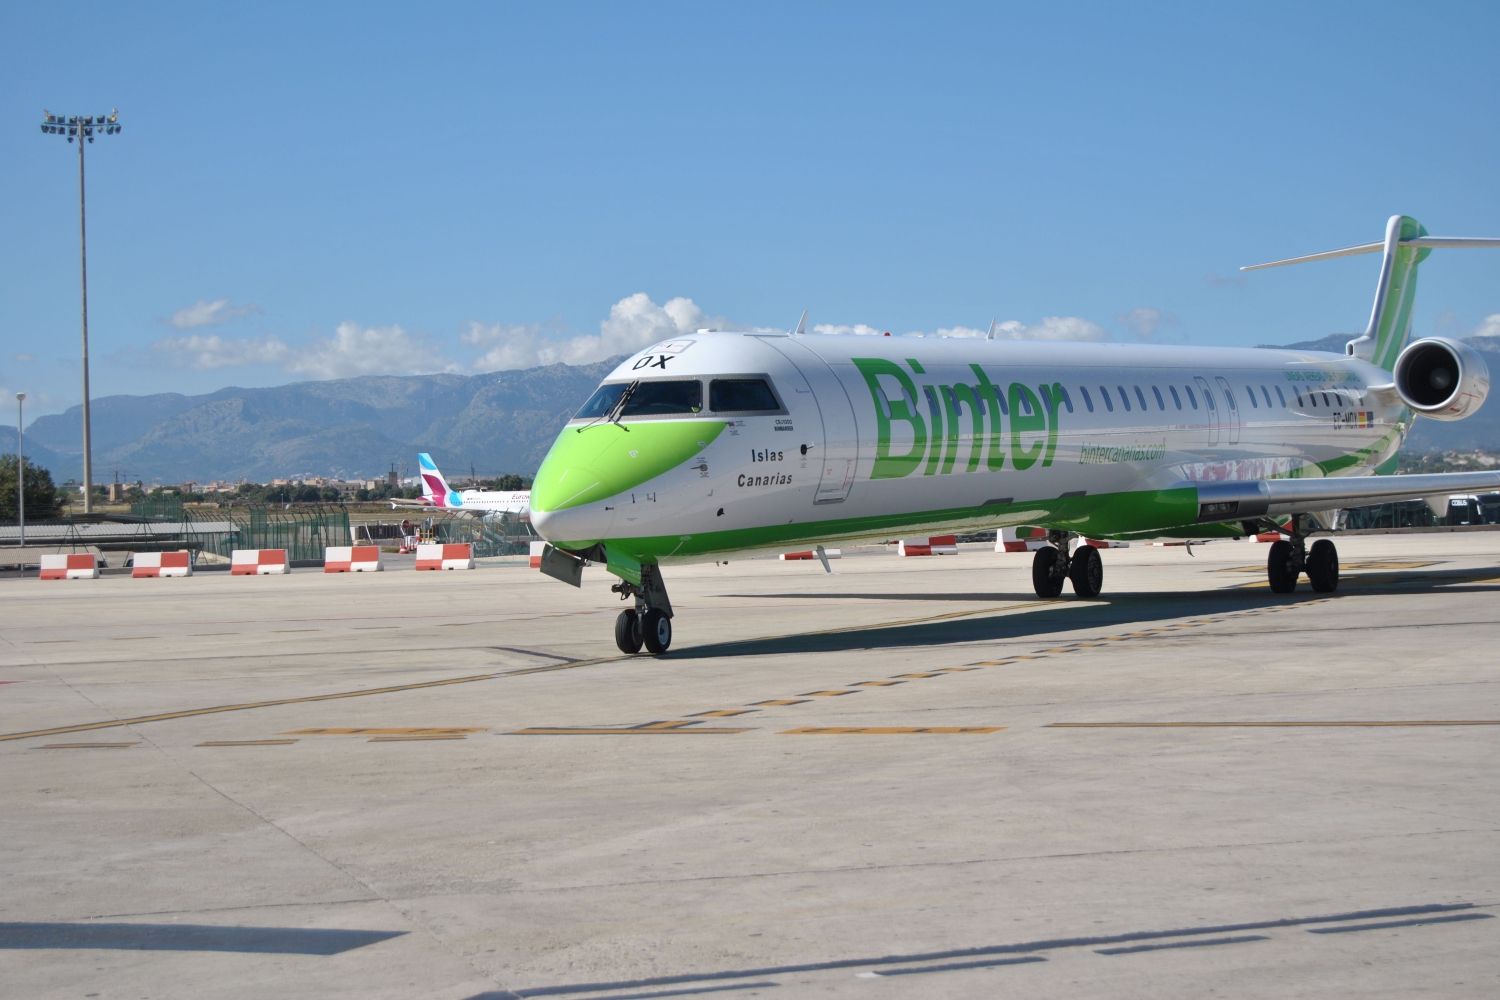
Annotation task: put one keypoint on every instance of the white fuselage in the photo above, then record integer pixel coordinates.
(878, 436)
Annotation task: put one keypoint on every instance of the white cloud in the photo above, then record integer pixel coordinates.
(1146, 322)
(859, 329)
(634, 322)
(372, 350)
(204, 313)
(1489, 328)
(212, 351)
(1052, 328)
(22, 359)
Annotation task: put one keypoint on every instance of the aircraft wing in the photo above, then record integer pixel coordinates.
(396, 502)
(1271, 497)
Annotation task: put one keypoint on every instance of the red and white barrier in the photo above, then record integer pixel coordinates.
(445, 556)
(70, 566)
(1264, 536)
(1100, 544)
(811, 554)
(146, 565)
(937, 545)
(258, 562)
(536, 554)
(1023, 539)
(352, 559)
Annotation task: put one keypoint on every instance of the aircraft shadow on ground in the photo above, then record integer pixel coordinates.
(1049, 622)
(1053, 622)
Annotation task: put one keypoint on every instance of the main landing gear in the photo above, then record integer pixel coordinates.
(1052, 565)
(649, 623)
(1290, 557)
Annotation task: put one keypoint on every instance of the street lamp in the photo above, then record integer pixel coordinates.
(82, 129)
(21, 464)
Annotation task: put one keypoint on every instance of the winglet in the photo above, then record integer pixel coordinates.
(801, 325)
(991, 334)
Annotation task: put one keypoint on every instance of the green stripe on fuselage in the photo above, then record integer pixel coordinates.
(1095, 515)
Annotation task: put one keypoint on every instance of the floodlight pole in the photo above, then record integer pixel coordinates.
(21, 464)
(81, 129)
(83, 272)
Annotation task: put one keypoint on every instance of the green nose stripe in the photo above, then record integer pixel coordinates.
(600, 461)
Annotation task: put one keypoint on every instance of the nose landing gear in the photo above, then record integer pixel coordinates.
(649, 623)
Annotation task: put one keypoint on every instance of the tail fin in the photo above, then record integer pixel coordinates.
(1406, 245)
(435, 488)
(1390, 317)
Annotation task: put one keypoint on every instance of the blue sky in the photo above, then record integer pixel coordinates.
(316, 190)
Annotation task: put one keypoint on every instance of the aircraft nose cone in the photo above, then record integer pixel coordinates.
(573, 495)
(574, 524)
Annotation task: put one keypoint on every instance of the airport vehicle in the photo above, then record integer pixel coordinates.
(721, 442)
(1464, 508)
(436, 493)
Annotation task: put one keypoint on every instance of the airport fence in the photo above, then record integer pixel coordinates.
(304, 531)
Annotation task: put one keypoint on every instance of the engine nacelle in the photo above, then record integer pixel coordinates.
(1441, 378)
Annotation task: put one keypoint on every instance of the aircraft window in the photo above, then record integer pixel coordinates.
(741, 394)
(1104, 395)
(1087, 399)
(1280, 396)
(1140, 397)
(1298, 393)
(1062, 396)
(1124, 399)
(1192, 396)
(1326, 402)
(1312, 399)
(1176, 399)
(1266, 395)
(1161, 404)
(1250, 391)
(653, 398)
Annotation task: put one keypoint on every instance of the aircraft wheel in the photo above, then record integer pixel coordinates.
(628, 631)
(1087, 572)
(656, 629)
(1323, 566)
(1279, 567)
(1044, 578)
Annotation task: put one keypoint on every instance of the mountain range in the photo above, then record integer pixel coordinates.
(358, 428)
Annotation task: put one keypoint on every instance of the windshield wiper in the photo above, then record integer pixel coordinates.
(615, 412)
(618, 410)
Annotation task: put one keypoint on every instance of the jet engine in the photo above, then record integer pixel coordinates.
(1441, 378)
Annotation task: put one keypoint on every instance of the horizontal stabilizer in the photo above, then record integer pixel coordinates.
(1447, 242)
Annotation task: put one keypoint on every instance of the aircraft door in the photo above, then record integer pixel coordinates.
(1211, 407)
(1232, 414)
(838, 451)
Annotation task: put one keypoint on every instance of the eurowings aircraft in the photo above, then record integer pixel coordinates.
(436, 493)
(720, 443)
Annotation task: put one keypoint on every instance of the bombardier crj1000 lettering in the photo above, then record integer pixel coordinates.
(720, 443)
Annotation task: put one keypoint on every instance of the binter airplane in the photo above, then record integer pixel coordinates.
(722, 443)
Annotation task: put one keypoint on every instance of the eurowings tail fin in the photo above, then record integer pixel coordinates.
(435, 489)
(1406, 245)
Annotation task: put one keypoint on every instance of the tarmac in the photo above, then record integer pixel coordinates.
(907, 778)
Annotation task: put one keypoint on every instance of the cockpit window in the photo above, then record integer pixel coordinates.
(730, 395)
(651, 397)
